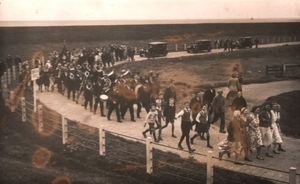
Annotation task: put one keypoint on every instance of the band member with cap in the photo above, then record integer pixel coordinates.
(127, 102)
(218, 106)
(71, 82)
(98, 90)
(169, 115)
(88, 94)
(113, 104)
(186, 123)
(59, 77)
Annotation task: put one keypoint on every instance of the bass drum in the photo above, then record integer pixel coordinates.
(103, 97)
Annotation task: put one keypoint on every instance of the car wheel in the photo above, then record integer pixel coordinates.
(189, 51)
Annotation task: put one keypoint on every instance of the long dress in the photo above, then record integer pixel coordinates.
(254, 134)
(233, 84)
(275, 132)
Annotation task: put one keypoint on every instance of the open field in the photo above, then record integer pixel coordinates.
(25, 41)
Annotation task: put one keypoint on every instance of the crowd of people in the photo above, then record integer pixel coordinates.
(85, 74)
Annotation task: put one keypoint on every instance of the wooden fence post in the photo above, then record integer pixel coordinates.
(176, 48)
(149, 155)
(40, 118)
(14, 73)
(292, 178)
(262, 41)
(8, 76)
(184, 46)
(290, 38)
(209, 168)
(101, 140)
(20, 68)
(273, 39)
(64, 127)
(284, 39)
(295, 38)
(268, 40)
(11, 101)
(23, 109)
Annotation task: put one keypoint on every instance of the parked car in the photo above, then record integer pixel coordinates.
(244, 42)
(199, 46)
(154, 49)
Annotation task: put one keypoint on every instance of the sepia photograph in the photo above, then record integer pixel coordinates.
(152, 91)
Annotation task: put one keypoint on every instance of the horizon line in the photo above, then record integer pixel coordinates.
(53, 23)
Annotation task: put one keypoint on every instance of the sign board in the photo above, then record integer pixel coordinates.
(35, 73)
(275, 70)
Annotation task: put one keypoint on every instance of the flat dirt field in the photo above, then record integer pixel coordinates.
(19, 141)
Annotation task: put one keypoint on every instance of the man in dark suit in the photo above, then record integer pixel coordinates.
(195, 106)
(208, 97)
(170, 92)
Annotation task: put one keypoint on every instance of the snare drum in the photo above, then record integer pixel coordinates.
(103, 97)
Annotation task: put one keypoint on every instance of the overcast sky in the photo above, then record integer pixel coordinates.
(29, 10)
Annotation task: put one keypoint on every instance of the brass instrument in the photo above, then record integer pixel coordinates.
(72, 76)
(89, 86)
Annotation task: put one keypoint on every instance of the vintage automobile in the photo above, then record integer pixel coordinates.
(244, 42)
(199, 46)
(154, 49)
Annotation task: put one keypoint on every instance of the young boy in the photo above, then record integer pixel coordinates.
(151, 119)
(186, 124)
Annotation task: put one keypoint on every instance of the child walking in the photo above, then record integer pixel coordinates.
(151, 119)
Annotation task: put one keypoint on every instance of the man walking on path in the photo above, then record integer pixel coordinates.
(186, 123)
(218, 106)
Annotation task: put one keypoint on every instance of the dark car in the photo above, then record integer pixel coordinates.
(199, 46)
(244, 42)
(154, 49)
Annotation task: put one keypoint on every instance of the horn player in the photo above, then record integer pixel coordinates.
(88, 94)
(98, 90)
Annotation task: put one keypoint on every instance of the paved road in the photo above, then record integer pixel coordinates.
(283, 161)
(185, 54)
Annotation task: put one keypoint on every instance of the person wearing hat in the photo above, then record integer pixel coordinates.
(238, 102)
(218, 106)
(9, 62)
(97, 91)
(170, 92)
(233, 143)
(195, 105)
(208, 97)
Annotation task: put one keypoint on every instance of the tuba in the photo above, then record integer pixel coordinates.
(72, 76)
(86, 74)
(89, 86)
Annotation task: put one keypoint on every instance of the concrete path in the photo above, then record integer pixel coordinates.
(253, 92)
